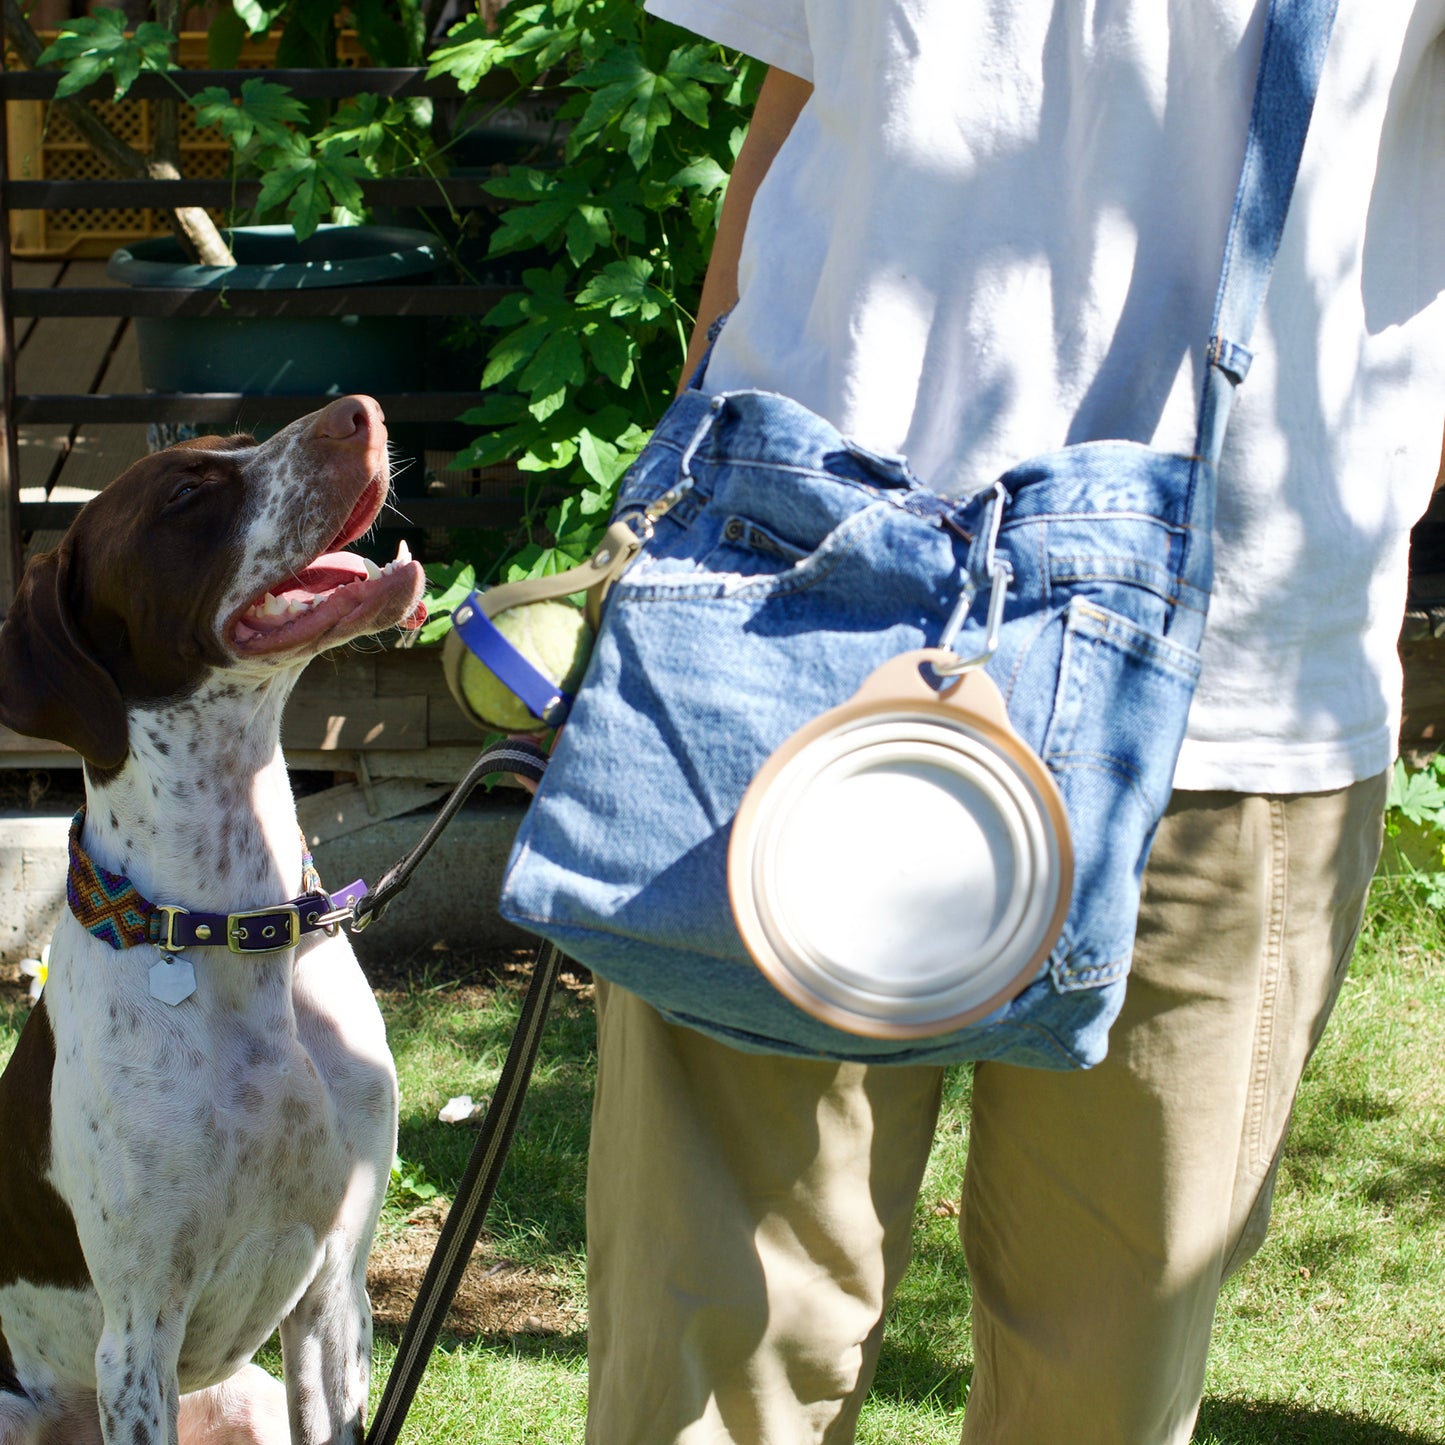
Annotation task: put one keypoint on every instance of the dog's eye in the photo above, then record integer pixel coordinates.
(187, 484)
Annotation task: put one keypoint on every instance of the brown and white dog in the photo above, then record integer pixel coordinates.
(180, 1178)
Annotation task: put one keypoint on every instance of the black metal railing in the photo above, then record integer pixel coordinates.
(434, 300)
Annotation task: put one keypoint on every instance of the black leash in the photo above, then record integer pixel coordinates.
(484, 1167)
(515, 755)
(464, 1219)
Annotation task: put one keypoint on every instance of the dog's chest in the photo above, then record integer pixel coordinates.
(203, 1155)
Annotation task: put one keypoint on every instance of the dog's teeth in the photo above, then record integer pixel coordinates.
(274, 606)
(402, 558)
(372, 570)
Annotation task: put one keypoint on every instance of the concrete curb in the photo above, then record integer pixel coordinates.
(452, 895)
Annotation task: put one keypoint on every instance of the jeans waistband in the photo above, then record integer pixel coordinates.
(759, 428)
(755, 428)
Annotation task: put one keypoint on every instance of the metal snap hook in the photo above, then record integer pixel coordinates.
(1000, 578)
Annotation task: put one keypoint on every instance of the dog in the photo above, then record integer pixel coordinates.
(197, 1141)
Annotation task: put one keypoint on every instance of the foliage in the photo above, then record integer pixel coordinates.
(1418, 797)
(448, 586)
(98, 45)
(409, 1183)
(616, 217)
(311, 158)
(1416, 809)
(610, 221)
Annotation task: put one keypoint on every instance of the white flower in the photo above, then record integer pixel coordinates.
(457, 1109)
(37, 970)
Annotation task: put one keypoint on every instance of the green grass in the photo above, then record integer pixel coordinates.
(1333, 1335)
(1336, 1332)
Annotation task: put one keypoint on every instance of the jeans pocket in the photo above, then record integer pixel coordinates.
(721, 553)
(1120, 710)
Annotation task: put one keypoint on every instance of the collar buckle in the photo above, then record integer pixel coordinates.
(263, 930)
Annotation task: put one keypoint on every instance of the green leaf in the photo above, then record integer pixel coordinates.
(587, 229)
(1419, 796)
(310, 183)
(539, 561)
(410, 1180)
(612, 351)
(704, 175)
(547, 454)
(97, 45)
(393, 32)
(512, 353)
(598, 458)
(626, 289)
(553, 204)
(263, 113)
(447, 586)
(256, 15)
(225, 39)
(469, 56)
(361, 124)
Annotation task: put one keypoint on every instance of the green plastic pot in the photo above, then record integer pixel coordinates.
(280, 355)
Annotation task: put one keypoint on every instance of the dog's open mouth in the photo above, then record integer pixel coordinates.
(336, 596)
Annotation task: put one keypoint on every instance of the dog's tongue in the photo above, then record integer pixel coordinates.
(326, 573)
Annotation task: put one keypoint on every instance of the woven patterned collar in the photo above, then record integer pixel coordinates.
(112, 908)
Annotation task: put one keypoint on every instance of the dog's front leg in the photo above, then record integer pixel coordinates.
(326, 1350)
(135, 1378)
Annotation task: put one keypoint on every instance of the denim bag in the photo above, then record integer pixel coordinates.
(783, 564)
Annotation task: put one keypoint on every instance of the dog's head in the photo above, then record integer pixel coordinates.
(217, 553)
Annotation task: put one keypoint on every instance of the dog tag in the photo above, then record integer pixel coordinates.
(173, 980)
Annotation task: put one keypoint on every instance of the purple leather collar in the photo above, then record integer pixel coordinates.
(112, 908)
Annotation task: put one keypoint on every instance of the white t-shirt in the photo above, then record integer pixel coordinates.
(996, 229)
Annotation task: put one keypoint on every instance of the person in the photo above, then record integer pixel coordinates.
(968, 234)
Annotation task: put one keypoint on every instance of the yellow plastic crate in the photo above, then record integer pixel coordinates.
(42, 146)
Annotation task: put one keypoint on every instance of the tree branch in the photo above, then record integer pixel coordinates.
(193, 226)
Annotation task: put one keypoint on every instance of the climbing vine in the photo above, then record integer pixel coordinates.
(613, 219)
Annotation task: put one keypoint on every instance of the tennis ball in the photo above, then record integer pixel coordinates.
(553, 636)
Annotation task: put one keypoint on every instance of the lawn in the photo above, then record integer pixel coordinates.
(1335, 1334)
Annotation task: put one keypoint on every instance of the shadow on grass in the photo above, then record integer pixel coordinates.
(919, 1376)
(553, 1346)
(1403, 1173)
(1262, 1422)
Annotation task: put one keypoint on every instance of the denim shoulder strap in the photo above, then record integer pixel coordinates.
(1296, 36)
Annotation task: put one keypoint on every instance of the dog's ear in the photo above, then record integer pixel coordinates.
(51, 685)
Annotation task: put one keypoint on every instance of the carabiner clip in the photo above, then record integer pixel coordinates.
(1000, 578)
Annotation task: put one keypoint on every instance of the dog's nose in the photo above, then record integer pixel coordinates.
(351, 418)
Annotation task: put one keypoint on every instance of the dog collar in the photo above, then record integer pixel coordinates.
(109, 906)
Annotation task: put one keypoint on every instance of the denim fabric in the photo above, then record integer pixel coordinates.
(794, 566)
(795, 563)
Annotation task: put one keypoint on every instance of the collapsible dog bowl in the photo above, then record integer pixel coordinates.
(901, 866)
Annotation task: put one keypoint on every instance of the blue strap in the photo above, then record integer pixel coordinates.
(1296, 37)
(539, 694)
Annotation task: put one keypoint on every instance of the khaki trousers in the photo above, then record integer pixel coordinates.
(749, 1216)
